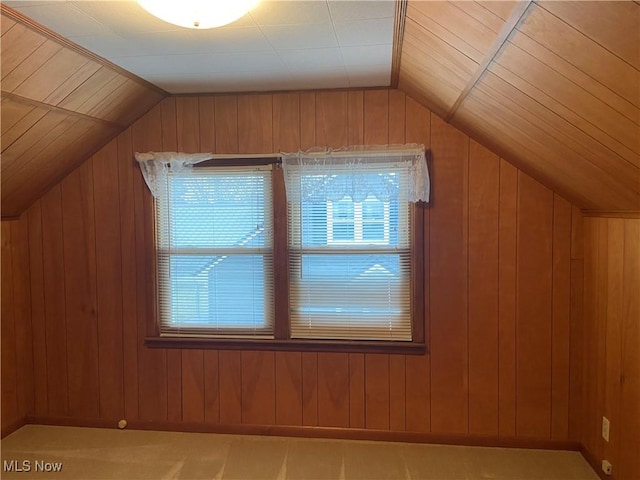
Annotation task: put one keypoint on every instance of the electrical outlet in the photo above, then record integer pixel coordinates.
(605, 428)
(606, 467)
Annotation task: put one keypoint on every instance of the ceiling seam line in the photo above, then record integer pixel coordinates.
(65, 43)
(509, 27)
(55, 108)
(399, 23)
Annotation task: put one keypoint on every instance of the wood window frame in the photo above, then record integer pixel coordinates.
(282, 340)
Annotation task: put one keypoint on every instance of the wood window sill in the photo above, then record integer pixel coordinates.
(351, 346)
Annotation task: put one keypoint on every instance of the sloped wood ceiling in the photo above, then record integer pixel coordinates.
(552, 86)
(60, 104)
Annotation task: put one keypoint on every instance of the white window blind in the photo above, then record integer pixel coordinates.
(215, 253)
(349, 248)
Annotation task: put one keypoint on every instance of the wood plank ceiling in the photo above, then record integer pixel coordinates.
(554, 87)
(60, 104)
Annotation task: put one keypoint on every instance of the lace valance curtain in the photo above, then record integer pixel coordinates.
(318, 175)
(156, 166)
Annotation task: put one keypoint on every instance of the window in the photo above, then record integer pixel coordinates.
(350, 256)
(215, 253)
(331, 262)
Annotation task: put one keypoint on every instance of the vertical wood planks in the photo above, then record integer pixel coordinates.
(255, 134)
(189, 369)
(286, 122)
(589, 402)
(193, 386)
(397, 363)
(355, 136)
(534, 308)
(169, 117)
(38, 314)
(54, 304)
(495, 257)
(255, 124)
(126, 171)
(507, 298)
(79, 227)
(288, 388)
(22, 311)
(612, 330)
(109, 275)
(258, 388)
(226, 122)
(308, 120)
(376, 391)
(288, 365)
(576, 328)
(211, 387)
(333, 389)
(355, 115)
(230, 378)
(629, 422)
(9, 393)
(377, 379)
(331, 119)
(600, 344)
(152, 363)
(356, 390)
(417, 368)
(560, 360)
(309, 388)
(448, 281)
(484, 188)
(610, 365)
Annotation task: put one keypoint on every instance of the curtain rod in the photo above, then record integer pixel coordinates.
(231, 156)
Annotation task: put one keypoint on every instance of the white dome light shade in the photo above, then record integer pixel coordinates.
(198, 14)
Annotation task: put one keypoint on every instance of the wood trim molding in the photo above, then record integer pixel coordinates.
(318, 432)
(612, 213)
(398, 37)
(10, 218)
(54, 108)
(518, 14)
(56, 37)
(287, 345)
(593, 462)
(12, 427)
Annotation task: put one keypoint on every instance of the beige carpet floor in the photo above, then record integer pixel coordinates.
(91, 453)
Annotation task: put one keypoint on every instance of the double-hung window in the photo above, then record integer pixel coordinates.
(215, 253)
(302, 251)
(350, 255)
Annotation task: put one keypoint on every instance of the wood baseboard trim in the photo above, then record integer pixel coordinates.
(12, 427)
(595, 464)
(320, 432)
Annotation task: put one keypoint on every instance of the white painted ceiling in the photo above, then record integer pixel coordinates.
(279, 45)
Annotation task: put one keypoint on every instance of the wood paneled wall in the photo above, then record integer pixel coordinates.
(498, 280)
(611, 344)
(16, 334)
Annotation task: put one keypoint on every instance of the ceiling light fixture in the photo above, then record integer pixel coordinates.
(198, 14)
